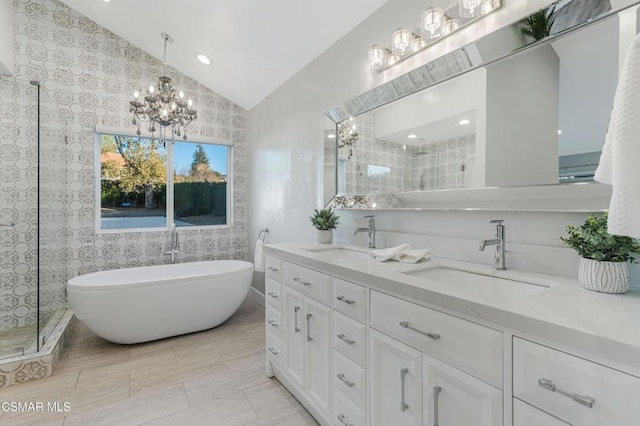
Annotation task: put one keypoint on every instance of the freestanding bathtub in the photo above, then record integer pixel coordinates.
(136, 305)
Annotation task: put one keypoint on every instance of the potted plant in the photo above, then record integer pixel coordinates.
(539, 25)
(604, 257)
(324, 221)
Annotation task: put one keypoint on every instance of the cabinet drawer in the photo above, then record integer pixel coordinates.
(347, 414)
(273, 294)
(350, 299)
(561, 384)
(470, 347)
(350, 338)
(526, 415)
(273, 267)
(274, 321)
(274, 349)
(309, 282)
(350, 380)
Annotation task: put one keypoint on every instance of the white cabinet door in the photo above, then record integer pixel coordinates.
(395, 374)
(318, 336)
(294, 336)
(452, 397)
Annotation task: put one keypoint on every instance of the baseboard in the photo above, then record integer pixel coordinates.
(256, 296)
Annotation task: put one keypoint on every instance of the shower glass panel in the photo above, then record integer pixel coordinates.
(32, 216)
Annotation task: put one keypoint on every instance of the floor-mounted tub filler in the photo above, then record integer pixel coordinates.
(136, 305)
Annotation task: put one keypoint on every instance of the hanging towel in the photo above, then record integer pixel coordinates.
(619, 160)
(258, 257)
(385, 254)
(413, 255)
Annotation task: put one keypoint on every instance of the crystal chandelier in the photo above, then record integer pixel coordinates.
(163, 107)
(347, 136)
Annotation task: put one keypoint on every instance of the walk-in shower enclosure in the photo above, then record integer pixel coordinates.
(33, 216)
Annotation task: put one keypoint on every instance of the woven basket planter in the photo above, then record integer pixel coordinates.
(605, 277)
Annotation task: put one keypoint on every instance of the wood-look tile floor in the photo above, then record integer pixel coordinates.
(214, 377)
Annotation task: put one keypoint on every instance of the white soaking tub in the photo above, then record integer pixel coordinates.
(136, 305)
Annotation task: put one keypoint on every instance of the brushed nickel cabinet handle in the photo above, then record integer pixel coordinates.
(346, 339)
(299, 280)
(273, 269)
(274, 350)
(345, 300)
(585, 400)
(273, 294)
(309, 338)
(343, 420)
(405, 324)
(403, 404)
(436, 395)
(274, 323)
(295, 319)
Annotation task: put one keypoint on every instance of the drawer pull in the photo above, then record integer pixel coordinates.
(272, 269)
(274, 323)
(345, 300)
(403, 404)
(585, 400)
(295, 319)
(436, 395)
(343, 420)
(309, 338)
(274, 350)
(273, 294)
(405, 324)
(346, 339)
(299, 280)
(345, 381)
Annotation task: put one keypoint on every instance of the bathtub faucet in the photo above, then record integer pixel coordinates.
(175, 245)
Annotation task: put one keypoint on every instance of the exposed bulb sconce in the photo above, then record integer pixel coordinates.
(434, 25)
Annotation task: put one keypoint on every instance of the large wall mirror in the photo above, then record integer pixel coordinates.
(508, 110)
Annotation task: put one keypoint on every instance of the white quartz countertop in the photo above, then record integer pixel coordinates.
(603, 325)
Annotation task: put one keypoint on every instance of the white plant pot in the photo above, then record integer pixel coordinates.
(605, 277)
(325, 237)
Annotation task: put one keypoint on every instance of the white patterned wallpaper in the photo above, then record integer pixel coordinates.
(91, 73)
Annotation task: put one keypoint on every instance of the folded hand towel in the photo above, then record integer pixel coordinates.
(385, 254)
(258, 257)
(413, 256)
(619, 160)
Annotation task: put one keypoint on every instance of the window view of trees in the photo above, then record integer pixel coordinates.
(133, 183)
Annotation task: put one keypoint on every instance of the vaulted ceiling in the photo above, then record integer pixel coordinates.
(254, 45)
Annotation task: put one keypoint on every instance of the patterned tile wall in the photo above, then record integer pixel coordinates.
(91, 73)
(442, 164)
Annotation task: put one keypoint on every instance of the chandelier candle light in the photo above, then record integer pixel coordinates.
(163, 106)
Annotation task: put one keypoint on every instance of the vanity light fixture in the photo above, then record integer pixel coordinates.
(204, 59)
(163, 106)
(434, 25)
(464, 122)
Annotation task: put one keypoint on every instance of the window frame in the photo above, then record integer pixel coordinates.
(170, 214)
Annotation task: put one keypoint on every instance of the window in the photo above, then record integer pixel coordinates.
(146, 185)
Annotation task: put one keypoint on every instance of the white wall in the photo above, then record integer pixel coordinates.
(6, 37)
(286, 135)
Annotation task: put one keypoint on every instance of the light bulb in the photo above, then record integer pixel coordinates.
(470, 8)
(450, 26)
(402, 42)
(431, 23)
(377, 57)
(151, 89)
(181, 94)
(136, 94)
(190, 103)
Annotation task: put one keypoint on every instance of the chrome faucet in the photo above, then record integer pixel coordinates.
(371, 229)
(175, 245)
(500, 262)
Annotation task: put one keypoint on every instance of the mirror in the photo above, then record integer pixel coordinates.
(518, 112)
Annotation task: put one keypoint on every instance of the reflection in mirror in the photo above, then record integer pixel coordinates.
(536, 117)
(330, 156)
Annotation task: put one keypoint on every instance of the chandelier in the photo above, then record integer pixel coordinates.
(347, 136)
(162, 107)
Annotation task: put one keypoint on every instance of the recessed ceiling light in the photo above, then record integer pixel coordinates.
(204, 59)
(464, 122)
(331, 136)
(412, 136)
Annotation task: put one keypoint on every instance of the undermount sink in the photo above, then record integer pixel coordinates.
(474, 279)
(339, 251)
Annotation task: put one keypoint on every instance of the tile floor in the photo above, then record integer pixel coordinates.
(214, 377)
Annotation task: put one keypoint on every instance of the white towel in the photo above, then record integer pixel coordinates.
(258, 257)
(385, 254)
(412, 256)
(619, 160)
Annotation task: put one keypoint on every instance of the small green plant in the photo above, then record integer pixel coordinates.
(538, 25)
(324, 219)
(592, 241)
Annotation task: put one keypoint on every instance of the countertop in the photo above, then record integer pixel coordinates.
(603, 325)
